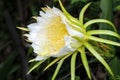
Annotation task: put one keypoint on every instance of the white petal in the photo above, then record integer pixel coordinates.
(47, 14)
(42, 13)
(37, 49)
(38, 58)
(41, 21)
(56, 11)
(68, 41)
(73, 32)
(67, 48)
(32, 36)
(50, 14)
(33, 27)
(38, 35)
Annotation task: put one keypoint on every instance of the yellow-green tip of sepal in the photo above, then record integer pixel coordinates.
(34, 17)
(81, 14)
(22, 28)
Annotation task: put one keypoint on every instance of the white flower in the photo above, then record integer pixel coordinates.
(50, 35)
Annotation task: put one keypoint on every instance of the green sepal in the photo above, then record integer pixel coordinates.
(72, 19)
(57, 68)
(53, 62)
(103, 32)
(98, 57)
(59, 65)
(22, 28)
(73, 61)
(99, 21)
(36, 65)
(103, 40)
(73, 22)
(81, 15)
(85, 61)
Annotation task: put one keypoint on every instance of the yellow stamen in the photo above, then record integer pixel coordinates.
(56, 31)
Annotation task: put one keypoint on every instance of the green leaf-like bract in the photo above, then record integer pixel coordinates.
(96, 54)
(59, 65)
(73, 61)
(36, 65)
(84, 60)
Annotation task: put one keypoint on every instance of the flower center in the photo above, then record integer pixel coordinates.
(56, 31)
